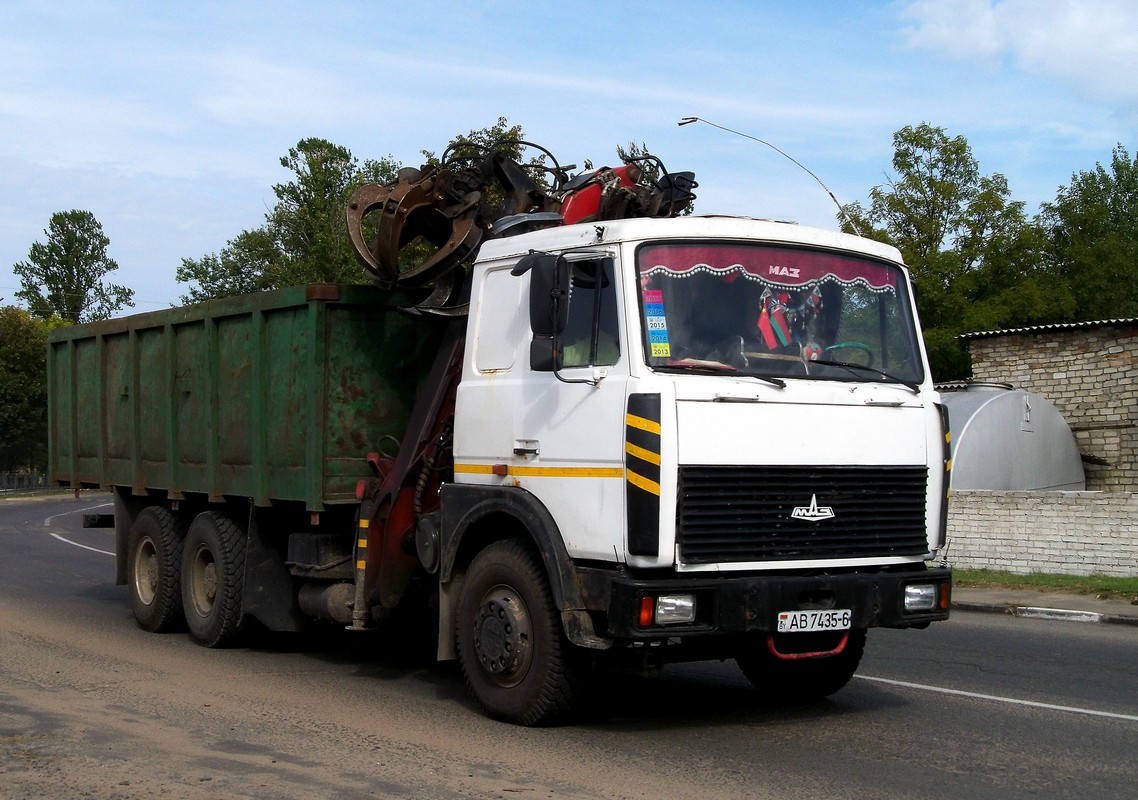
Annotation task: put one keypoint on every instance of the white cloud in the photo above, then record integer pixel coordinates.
(1091, 45)
(955, 28)
(247, 89)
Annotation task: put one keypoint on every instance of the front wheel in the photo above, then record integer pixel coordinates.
(213, 577)
(513, 654)
(799, 680)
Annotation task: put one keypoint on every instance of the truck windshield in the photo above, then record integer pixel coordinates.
(776, 311)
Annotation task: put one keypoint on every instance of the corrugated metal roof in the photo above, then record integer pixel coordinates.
(1059, 326)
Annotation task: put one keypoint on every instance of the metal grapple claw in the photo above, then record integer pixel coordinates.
(362, 202)
(417, 211)
(420, 230)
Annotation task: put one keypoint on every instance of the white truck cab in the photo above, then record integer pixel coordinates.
(720, 435)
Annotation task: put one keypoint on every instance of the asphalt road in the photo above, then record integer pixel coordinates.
(984, 705)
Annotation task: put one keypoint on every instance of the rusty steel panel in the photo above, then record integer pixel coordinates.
(274, 396)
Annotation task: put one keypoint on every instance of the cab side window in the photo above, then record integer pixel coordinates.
(591, 335)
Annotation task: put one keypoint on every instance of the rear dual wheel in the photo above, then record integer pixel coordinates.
(154, 564)
(213, 578)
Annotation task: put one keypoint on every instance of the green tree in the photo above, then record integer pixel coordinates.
(64, 276)
(242, 266)
(1092, 238)
(23, 389)
(307, 222)
(468, 151)
(975, 258)
(304, 239)
(472, 147)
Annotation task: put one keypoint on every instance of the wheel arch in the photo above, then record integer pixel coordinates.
(476, 516)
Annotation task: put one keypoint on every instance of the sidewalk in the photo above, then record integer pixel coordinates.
(1046, 605)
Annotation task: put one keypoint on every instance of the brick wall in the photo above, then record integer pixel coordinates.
(1073, 533)
(1091, 375)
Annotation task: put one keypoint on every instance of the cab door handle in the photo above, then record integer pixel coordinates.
(525, 447)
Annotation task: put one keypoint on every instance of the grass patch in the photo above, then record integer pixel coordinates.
(1099, 585)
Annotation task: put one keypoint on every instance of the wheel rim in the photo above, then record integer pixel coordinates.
(503, 636)
(146, 571)
(203, 581)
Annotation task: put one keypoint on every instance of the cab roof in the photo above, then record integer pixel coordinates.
(592, 234)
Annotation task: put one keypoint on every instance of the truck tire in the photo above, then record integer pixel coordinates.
(213, 575)
(513, 654)
(801, 680)
(154, 564)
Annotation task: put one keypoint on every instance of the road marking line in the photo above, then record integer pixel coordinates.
(93, 550)
(47, 520)
(1011, 700)
(85, 547)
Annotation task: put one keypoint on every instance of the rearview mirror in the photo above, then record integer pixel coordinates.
(548, 292)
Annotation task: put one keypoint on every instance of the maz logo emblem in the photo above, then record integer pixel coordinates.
(812, 512)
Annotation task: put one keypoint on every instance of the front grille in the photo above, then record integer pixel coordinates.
(731, 514)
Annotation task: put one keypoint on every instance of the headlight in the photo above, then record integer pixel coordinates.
(920, 597)
(667, 609)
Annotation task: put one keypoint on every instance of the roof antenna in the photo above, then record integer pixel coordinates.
(841, 211)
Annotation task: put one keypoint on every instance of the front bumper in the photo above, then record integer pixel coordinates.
(730, 605)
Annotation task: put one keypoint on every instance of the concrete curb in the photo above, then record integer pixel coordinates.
(1035, 612)
(1063, 614)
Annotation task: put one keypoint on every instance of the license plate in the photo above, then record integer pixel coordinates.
(835, 619)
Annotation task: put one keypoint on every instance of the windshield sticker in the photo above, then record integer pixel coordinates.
(657, 323)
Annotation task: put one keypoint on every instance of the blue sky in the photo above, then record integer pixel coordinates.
(167, 120)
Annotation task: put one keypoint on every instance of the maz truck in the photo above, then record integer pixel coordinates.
(645, 441)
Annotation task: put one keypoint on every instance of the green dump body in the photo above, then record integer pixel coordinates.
(275, 396)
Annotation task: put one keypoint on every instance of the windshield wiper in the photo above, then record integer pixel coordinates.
(861, 368)
(704, 367)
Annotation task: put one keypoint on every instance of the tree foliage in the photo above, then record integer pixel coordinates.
(976, 259)
(64, 276)
(304, 238)
(467, 151)
(241, 266)
(23, 389)
(1092, 238)
(307, 223)
(471, 147)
